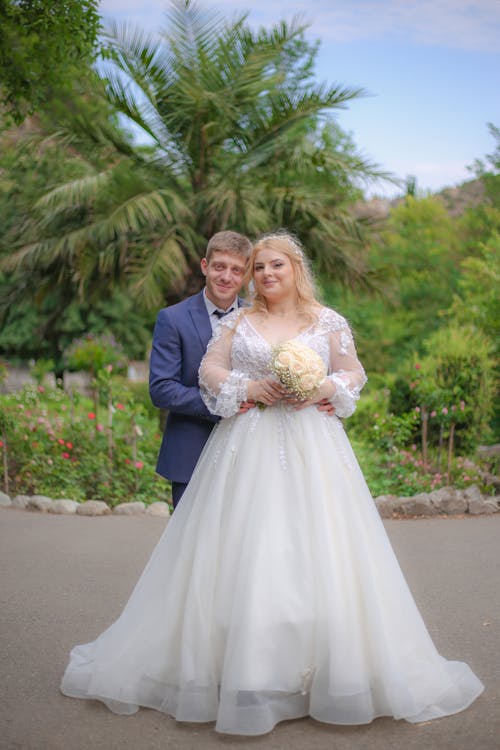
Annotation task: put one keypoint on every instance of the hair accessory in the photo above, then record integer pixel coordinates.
(294, 246)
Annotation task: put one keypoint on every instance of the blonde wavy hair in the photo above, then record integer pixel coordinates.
(285, 242)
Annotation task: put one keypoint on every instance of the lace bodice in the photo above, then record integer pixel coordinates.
(238, 353)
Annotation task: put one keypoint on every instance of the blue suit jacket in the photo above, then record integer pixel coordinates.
(180, 339)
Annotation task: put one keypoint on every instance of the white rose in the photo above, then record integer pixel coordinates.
(308, 382)
(284, 359)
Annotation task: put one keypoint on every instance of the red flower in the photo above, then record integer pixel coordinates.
(128, 461)
(139, 464)
(91, 415)
(65, 455)
(120, 406)
(417, 366)
(60, 441)
(1, 443)
(69, 445)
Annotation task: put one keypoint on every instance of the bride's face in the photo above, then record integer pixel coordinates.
(273, 274)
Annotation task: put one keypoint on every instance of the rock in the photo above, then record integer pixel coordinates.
(158, 509)
(472, 494)
(21, 501)
(484, 505)
(5, 500)
(387, 505)
(448, 500)
(39, 502)
(65, 507)
(417, 505)
(93, 508)
(129, 509)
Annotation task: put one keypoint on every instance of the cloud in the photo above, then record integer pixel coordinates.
(459, 24)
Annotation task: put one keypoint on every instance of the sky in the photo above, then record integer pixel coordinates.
(431, 69)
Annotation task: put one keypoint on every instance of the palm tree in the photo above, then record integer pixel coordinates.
(234, 133)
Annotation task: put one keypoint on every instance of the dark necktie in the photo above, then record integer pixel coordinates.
(220, 313)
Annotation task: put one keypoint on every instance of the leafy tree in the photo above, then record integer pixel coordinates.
(456, 380)
(41, 312)
(415, 265)
(42, 47)
(237, 136)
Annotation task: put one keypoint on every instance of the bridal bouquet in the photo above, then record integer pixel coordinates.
(298, 368)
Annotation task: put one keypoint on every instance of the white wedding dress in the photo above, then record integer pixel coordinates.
(274, 592)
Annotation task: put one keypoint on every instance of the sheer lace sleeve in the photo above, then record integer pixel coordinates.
(222, 388)
(346, 371)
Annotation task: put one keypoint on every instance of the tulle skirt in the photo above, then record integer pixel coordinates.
(273, 594)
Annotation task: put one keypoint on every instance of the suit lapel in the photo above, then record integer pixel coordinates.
(201, 322)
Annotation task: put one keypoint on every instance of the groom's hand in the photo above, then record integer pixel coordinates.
(245, 406)
(326, 406)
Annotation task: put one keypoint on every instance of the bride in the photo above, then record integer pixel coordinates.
(274, 592)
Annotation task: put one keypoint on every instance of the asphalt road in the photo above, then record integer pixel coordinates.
(63, 579)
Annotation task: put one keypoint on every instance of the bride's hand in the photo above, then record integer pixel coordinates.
(266, 391)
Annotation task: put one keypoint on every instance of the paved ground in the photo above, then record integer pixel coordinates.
(63, 579)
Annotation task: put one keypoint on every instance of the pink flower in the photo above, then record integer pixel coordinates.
(1, 443)
(41, 389)
(91, 415)
(99, 427)
(417, 366)
(40, 420)
(453, 408)
(417, 409)
(109, 368)
(65, 455)
(69, 445)
(376, 416)
(462, 405)
(433, 413)
(139, 464)
(444, 410)
(60, 441)
(414, 447)
(120, 406)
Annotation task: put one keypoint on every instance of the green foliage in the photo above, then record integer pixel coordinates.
(238, 136)
(57, 448)
(94, 353)
(41, 368)
(456, 380)
(477, 302)
(42, 48)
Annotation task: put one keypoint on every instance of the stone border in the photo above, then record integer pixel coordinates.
(44, 504)
(446, 501)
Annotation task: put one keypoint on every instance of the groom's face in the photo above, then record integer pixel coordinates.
(224, 274)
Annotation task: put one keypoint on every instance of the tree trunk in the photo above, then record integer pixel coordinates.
(5, 463)
(425, 423)
(450, 450)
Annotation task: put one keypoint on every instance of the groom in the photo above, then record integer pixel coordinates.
(180, 339)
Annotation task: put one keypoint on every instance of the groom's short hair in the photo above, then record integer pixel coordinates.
(229, 242)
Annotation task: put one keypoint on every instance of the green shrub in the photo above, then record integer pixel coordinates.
(58, 448)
